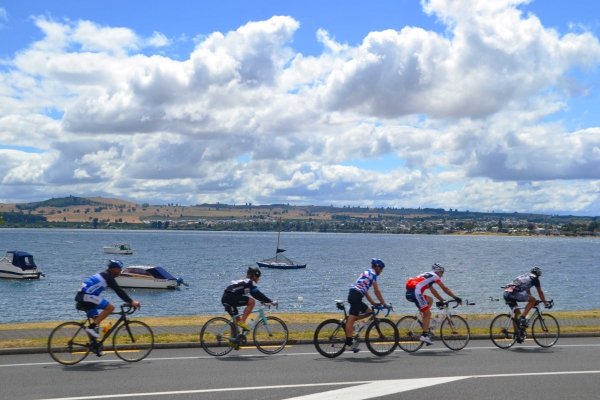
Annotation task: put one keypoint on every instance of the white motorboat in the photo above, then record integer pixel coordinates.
(19, 265)
(119, 248)
(148, 277)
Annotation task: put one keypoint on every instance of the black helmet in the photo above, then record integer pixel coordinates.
(115, 264)
(253, 272)
(536, 271)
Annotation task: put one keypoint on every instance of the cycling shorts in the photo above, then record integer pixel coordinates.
(232, 301)
(511, 298)
(356, 304)
(92, 304)
(420, 300)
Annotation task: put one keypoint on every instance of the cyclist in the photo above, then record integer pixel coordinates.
(520, 290)
(236, 295)
(88, 297)
(414, 293)
(358, 309)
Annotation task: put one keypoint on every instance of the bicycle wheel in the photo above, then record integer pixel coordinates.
(409, 333)
(133, 341)
(69, 343)
(545, 330)
(455, 332)
(330, 337)
(381, 337)
(218, 336)
(502, 331)
(271, 338)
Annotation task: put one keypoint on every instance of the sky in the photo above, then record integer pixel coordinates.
(455, 104)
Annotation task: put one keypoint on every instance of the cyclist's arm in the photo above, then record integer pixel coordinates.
(377, 293)
(110, 281)
(542, 297)
(446, 290)
(435, 293)
(258, 295)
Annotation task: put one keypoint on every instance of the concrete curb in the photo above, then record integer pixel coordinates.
(185, 345)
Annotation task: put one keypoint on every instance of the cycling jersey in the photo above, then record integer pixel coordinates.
(523, 283)
(423, 282)
(247, 286)
(365, 281)
(93, 286)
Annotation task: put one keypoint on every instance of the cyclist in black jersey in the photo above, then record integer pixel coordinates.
(520, 290)
(237, 293)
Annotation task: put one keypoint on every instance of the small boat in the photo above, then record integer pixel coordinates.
(19, 265)
(280, 261)
(148, 277)
(119, 248)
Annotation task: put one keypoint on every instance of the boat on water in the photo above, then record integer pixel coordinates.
(19, 265)
(148, 277)
(119, 248)
(280, 261)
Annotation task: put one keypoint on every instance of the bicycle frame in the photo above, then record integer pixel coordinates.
(445, 315)
(537, 312)
(374, 312)
(262, 315)
(122, 320)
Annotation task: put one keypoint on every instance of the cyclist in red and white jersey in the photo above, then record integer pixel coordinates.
(414, 293)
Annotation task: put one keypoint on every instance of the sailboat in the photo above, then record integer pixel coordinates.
(279, 261)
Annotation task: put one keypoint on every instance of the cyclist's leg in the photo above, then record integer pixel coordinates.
(248, 310)
(530, 304)
(426, 311)
(356, 307)
(108, 309)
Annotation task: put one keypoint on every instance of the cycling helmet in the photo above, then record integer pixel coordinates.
(437, 267)
(115, 264)
(536, 271)
(376, 262)
(253, 272)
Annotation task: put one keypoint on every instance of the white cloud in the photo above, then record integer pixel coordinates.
(462, 109)
(3, 14)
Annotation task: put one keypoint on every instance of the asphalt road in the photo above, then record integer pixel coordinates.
(569, 370)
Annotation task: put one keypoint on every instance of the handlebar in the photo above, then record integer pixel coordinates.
(269, 306)
(379, 307)
(126, 309)
(550, 303)
(446, 303)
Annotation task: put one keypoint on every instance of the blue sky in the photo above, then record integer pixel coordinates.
(440, 103)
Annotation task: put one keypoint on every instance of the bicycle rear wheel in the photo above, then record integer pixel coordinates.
(69, 343)
(455, 332)
(330, 338)
(271, 338)
(217, 336)
(381, 337)
(409, 333)
(133, 341)
(545, 330)
(502, 331)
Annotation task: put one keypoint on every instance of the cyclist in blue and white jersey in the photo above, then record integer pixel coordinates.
(520, 290)
(235, 295)
(358, 309)
(88, 296)
(415, 288)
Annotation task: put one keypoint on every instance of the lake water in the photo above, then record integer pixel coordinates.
(476, 268)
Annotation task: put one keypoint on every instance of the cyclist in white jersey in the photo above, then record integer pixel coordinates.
(359, 290)
(414, 293)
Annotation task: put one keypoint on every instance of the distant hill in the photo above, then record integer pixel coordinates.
(58, 202)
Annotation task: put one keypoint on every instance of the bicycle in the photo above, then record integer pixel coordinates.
(69, 343)
(220, 335)
(454, 329)
(505, 329)
(381, 335)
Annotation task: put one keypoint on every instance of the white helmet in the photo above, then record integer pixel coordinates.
(437, 267)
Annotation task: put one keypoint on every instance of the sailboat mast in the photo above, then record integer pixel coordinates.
(278, 235)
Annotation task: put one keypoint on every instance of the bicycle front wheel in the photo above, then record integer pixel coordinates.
(503, 331)
(545, 330)
(330, 338)
(133, 341)
(455, 332)
(69, 343)
(381, 337)
(272, 337)
(409, 334)
(217, 337)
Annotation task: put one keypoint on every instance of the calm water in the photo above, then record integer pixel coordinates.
(208, 261)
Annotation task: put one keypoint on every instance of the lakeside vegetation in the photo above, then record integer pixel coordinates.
(100, 213)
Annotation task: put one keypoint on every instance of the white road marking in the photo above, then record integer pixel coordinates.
(378, 389)
(358, 390)
(440, 349)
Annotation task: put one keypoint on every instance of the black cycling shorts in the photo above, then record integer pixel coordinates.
(356, 304)
(232, 301)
